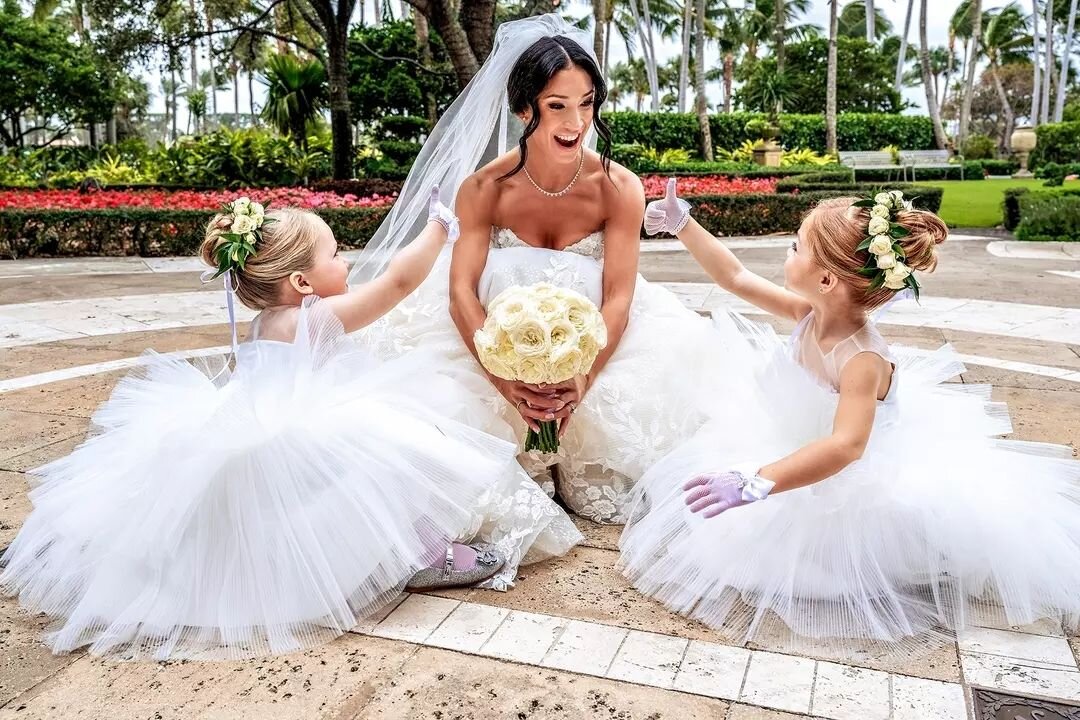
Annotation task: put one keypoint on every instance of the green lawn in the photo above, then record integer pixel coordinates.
(977, 203)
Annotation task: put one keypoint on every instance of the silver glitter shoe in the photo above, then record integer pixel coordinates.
(488, 562)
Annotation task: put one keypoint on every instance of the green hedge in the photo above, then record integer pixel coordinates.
(141, 231)
(926, 197)
(1049, 216)
(855, 131)
(1012, 209)
(999, 167)
(760, 214)
(825, 177)
(973, 170)
(1058, 143)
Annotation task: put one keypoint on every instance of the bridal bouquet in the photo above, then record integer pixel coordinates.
(541, 334)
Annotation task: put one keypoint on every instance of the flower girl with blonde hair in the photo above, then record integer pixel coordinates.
(858, 498)
(271, 507)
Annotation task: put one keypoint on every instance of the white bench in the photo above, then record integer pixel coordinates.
(928, 159)
(872, 160)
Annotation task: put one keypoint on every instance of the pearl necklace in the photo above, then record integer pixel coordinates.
(560, 193)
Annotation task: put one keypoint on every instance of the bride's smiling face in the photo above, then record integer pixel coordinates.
(566, 113)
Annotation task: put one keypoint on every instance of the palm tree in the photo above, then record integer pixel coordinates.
(924, 64)
(901, 59)
(830, 82)
(969, 83)
(684, 59)
(732, 40)
(599, 15)
(1004, 38)
(960, 26)
(1044, 96)
(1036, 87)
(852, 21)
(1066, 61)
(296, 93)
(631, 79)
(699, 83)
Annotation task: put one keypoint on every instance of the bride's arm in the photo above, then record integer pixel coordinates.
(473, 208)
(622, 247)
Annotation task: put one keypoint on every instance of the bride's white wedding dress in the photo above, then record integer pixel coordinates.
(670, 369)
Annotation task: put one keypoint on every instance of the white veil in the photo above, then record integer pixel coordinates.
(476, 128)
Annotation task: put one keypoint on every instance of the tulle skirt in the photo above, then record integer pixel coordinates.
(262, 513)
(940, 522)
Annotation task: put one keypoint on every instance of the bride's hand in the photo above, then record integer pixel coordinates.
(534, 405)
(570, 393)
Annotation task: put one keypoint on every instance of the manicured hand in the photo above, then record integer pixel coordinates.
(669, 214)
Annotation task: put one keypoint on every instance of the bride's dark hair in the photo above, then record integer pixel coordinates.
(532, 72)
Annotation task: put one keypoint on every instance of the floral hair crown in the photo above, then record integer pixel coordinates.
(238, 244)
(886, 262)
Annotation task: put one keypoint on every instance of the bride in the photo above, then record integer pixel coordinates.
(553, 209)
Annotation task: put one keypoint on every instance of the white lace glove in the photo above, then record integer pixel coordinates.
(713, 493)
(443, 215)
(669, 214)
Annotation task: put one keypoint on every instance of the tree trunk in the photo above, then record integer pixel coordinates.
(599, 13)
(1063, 79)
(781, 22)
(1006, 106)
(902, 58)
(969, 82)
(236, 97)
(172, 77)
(210, 59)
(729, 76)
(948, 72)
(830, 81)
(1036, 86)
(651, 60)
(458, 48)
(650, 66)
(423, 51)
(607, 44)
(684, 61)
(871, 16)
(340, 122)
(378, 12)
(924, 65)
(478, 21)
(1048, 73)
(251, 98)
(699, 83)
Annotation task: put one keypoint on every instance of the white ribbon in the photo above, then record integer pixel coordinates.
(230, 290)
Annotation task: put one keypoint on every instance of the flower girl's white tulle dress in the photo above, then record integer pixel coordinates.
(939, 523)
(257, 513)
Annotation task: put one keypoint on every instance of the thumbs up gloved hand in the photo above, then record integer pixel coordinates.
(713, 493)
(443, 215)
(669, 214)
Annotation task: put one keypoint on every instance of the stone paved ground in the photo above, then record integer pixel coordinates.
(572, 640)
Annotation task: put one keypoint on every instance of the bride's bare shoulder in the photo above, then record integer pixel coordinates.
(625, 189)
(482, 186)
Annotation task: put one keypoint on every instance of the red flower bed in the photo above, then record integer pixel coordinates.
(181, 199)
(708, 185)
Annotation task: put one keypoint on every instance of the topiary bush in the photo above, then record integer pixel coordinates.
(979, 147)
(1058, 143)
(1012, 209)
(1049, 217)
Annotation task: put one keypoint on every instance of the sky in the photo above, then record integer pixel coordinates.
(939, 13)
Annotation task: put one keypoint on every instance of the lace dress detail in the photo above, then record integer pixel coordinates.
(671, 369)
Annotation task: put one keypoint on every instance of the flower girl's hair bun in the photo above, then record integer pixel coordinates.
(838, 229)
(285, 244)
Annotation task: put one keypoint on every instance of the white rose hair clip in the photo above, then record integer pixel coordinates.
(886, 262)
(238, 244)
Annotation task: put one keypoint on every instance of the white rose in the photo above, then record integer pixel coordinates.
(878, 226)
(530, 339)
(897, 197)
(880, 245)
(896, 275)
(241, 206)
(509, 314)
(883, 199)
(563, 337)
(879, 211)
(242, 224)
(567, 367)
(884, 262)
(532, 370)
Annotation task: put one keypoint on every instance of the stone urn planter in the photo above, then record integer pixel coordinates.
(1023, 142)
